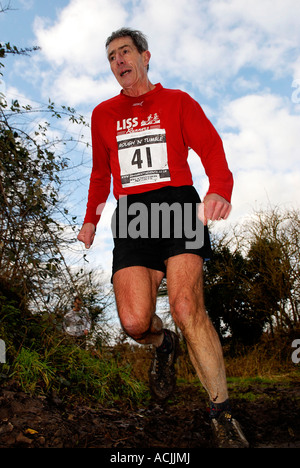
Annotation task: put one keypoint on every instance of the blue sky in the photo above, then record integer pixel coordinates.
(240, 60)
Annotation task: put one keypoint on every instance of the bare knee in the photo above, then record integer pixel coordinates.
(135, 325)
(188, 311)
(135, 291)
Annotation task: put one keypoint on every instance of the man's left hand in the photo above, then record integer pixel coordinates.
(213, 208)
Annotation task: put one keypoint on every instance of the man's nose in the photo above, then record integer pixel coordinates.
(119, 59)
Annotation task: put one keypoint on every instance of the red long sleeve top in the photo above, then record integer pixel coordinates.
(143, 142)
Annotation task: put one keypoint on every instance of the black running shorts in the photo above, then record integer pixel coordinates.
(151, 227)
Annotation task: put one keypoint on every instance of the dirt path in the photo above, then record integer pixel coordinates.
(270, 421)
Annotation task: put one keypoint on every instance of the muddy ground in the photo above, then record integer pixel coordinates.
(270, 421)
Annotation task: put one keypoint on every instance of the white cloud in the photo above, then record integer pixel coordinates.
(76, 39)
(260, 133)
(272, 17)
(261, 189)
(209, 42)
(296, 71)
(242, 84)
(71, 89)
(261, 139)
(203, 43)
(264, 133)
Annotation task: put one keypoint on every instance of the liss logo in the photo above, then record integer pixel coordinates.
(126, 124)
(2, 352)
(153, 120)
(296, 353)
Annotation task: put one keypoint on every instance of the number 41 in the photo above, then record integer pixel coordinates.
(137, 158)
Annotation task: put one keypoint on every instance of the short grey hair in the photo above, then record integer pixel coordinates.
(138, 38)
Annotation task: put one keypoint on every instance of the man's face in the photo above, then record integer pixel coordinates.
(126, 63)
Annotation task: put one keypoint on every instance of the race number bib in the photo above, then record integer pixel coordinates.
(143, 157)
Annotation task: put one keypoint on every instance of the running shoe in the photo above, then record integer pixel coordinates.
(227, 432)
(162, 375)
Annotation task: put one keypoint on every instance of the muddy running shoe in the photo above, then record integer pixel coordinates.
(162, 376)
(227, 432)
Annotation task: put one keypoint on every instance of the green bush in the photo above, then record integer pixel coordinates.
(41, 359)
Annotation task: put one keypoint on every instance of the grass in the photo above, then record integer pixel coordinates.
(47, 361)
(41, 359)
(253, 374)
(32, 372)
(121, 374)
(75, 373)
(266, 360)
(251, 389)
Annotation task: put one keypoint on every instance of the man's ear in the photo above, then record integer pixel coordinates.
(146, 56)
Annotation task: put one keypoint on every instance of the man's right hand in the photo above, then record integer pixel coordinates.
(87, 234)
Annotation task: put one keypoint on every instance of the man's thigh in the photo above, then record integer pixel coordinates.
(136, 289)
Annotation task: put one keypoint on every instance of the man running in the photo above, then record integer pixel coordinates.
(141, 138)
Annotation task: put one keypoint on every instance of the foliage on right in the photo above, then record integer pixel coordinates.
(252, 285)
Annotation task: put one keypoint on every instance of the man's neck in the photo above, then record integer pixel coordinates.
(139, 90)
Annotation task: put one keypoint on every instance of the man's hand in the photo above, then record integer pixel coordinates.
(214, 208)
(87, 234)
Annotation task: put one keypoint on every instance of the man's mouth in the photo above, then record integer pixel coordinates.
(125, 72)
